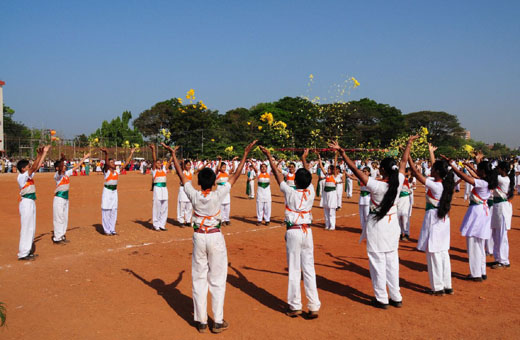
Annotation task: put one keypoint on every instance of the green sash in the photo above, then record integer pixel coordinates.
(430, 206)
(196, 226)
(498, 200)
(221, 183)
(62, 194)
(30, 196)
(111, 187)
(329, 189)
(490, 202)
(404, 194)
(364, 193)
(160, 184)
(263, 184)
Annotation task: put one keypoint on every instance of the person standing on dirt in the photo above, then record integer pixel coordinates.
(209, 260)
(298, 237)
(160, 191)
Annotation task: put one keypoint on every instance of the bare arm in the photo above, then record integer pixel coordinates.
(417, 174)
(42, 152)
(177, 166)
(459, 173)
(320, 165)
(304, 159)
(431, 149)
(105, 166)
(154, 156)
(130, 156)
(358, 173)
(472, 171)
(237, 173)
(277, 175)
(171, 157)
(406, 154)
(76, 167)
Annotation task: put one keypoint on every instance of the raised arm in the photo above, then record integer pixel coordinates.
(351, 164)
(154, 156)
(406, 153)
(130, 156)
(472, 171)
(77, 166)
(42, 152)
(105, 165)
(171, 157)
(237, 173)
(232, 165)
(417, 174)
(176, 165)
(320, 165)
(431, 150)
(459, 172)
(277, 175)
(304, 159)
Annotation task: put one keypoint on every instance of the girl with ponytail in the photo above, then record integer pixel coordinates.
(382, 227)
(502, 214)
(476, 226)
(435, 232)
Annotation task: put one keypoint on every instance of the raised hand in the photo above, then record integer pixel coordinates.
(305, 152)
(479, 156)
(152, 146)
(265, 151)
(445, 158)
(87, 155)
(334, 145)
(412, 138)
(431, 147)
(46, 148)
(250, 146)
(103, 150)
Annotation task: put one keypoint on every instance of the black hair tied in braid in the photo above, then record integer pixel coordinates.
(448, 185)
(392, 170)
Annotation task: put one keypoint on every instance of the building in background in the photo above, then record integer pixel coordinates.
(467, 135)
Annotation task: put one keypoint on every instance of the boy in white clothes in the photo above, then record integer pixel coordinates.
(263, 195)
(250, 183)
(160, 191)
(109, 199)
(299, 243)
(222, 178)
(340, 182)
(27, 204)
(60, 207)
(209, 259)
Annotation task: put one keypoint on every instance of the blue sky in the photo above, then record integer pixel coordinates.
(69, 65)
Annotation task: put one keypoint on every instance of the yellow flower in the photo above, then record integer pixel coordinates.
(179, 100)
(96, 139)
(267, 117)
(356, 83)
(468, 148)
(212, 139)
(248, 123)
(311, 76)
(136, 145)
(187, 97)
(424, 130)
(229, 149)
(259, 127)
(127, 142)
(194, 106)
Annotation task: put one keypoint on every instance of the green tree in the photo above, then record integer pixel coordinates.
(14, 132)
(444, 128)
(117, 131)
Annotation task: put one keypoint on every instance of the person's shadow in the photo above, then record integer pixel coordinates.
(180, 303)
(258, 293)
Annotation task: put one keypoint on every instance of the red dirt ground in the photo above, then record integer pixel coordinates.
(138, 285)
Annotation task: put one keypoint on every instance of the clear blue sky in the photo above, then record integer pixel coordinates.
(69, 65)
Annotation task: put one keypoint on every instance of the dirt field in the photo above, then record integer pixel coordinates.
(138, 285)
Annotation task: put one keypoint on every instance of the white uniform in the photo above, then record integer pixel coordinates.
(517, 177)
(321, 184)
(404, 207)
(435, 239)
(109, 202)
(476, 227)
(501, 220)
(364, 209)
(263, 198)
(250, 190)
(330, 202)
(209, 260)
(339, 189)
(349, 183)
(300, 246)
(382, 243)
(184, 207)
(27, 208)
(60, 207)
(225, 208)
(160, 199)
(467, 187)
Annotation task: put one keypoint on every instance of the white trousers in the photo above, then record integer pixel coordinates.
(330, 218)
(477, 256)
(339, 192)
(159, 213)
(109, 218)
(439, 270)
(350, 185)
(300, 257)
(224, 211)
(27, 208)
(384, 271)
(209, 269)
(363, 215)
(60, 217)
(251, 189)
(184, 212)
(263, 211)
(489, 244)
(501, 245)
(404, 223)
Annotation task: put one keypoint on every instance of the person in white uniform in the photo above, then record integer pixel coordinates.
(298, 237)
(222, 179)
(517, 178)
(27, 205)
(404, 206)
(476, 226)
(160, 191)
(184, 207)
(502, 214)
(109, 198)
(209, 256)
(340, 183)
(250, 181)
(263, 196)
(60, 206)
(434, 238)
(382, 229)
(329, 197)
(364, 203)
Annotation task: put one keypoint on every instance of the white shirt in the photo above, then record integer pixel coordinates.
(207, 207)
(299, 202)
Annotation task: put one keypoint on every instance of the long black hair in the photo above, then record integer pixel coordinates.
(448, 184)
(510, 171)
(391, 169)
(490, 174)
